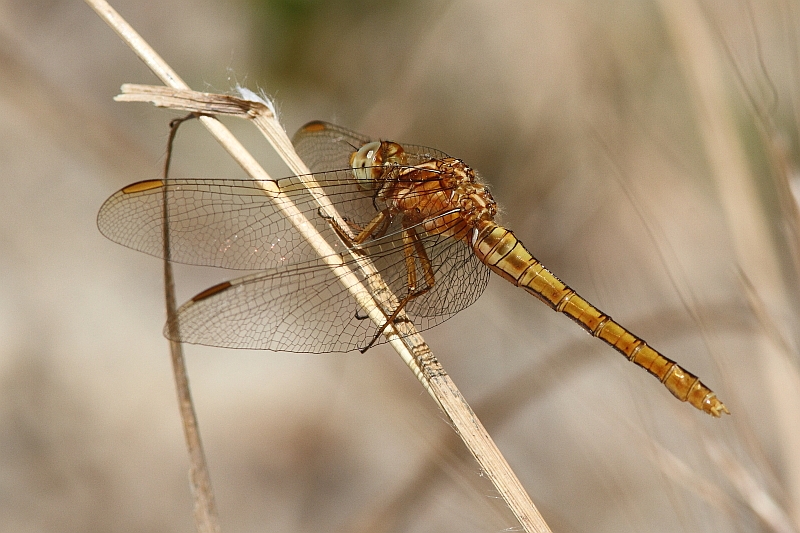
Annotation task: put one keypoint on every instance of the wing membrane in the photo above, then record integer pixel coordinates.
(227, 223)
(295, 303)
(306, 309)
(323, 146)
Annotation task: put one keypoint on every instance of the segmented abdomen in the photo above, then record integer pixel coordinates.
(501, 251)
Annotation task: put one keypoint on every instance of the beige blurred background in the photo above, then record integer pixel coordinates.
(642, 150)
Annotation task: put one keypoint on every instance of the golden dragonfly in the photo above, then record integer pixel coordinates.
(423, 218)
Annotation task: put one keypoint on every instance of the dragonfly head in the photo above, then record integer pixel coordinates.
(370, 160)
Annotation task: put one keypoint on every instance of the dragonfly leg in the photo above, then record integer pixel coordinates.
(414, 252)
(376, 227)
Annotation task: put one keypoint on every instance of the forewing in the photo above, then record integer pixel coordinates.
(234, 224)
(228, 223)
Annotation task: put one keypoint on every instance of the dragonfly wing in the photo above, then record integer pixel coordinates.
(234, 224)
(228, 223)
(303, 310)
(324, 146)
(307, 309)
(460, 278)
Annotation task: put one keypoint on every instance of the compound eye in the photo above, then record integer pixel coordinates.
(365, 163)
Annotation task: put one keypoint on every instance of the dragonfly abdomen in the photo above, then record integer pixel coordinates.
(502, 252)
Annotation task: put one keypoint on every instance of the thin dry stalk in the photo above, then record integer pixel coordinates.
(410, 346)
(205, 512)
(205, 509)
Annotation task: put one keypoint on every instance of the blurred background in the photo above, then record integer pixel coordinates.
(644, 151)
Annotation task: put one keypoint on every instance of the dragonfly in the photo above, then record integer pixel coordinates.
(423, 219)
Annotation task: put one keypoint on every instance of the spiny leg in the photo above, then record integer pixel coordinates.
(422, 257)
(413, 249)
(376, 227)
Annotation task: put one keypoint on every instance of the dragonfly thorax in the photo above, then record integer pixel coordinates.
(443, 196)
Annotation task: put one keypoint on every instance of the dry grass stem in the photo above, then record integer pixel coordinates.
(205, 509)
(205, 512)
(408, 343)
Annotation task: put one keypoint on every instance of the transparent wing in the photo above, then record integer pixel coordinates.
(307, 309)
(233, 224)
(227, 223)
(324, 146)
(296, 303)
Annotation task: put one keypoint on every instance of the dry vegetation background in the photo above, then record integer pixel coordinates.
(642, 150)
